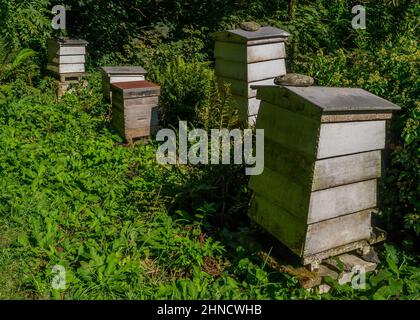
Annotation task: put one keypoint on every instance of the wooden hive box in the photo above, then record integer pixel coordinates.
(66, 58)
(246, 58)
(135, 108)
(120, 74)
(322, 161)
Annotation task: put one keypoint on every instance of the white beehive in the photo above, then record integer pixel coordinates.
(66, 58)
(322, 161)
(246, 58)
(120, 74)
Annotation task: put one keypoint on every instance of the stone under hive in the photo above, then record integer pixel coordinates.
(135, 108)
(66, 58)
(246, 58)
(120, 74)
(322, 161)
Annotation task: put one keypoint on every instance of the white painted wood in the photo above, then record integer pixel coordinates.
(266, 52)
(69, 59)
(267, 69)
(250, 72)
(337, 232)
(126, 78)
(72, 50)
(337, 171)
(71, 68)
(350, 137)
(330, 203)
(250, 54)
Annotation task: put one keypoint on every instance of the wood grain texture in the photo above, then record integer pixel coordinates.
(249, 54)
(281, 224)
(290, 129)
(250, 72)
(125, 78)
(283, 193)
(350, 137)
(77, 59)
(337, 232)
(330, 203)
(337, 171)
(280, 97)
(67, 68)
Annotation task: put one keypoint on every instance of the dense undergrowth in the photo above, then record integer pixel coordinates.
(124, 227)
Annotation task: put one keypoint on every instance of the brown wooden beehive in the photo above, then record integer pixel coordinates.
(322, 161)
(135, 108)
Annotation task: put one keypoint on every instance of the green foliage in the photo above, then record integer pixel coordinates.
(25, 23)
(398, 277)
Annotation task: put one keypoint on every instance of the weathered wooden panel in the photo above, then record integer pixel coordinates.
(136, 102)
(336, 232)
(283, 193)
(291, 130)
(72, 50)
(67, 68)
(350, 137)
(70, 68)
(250, 72)
(281, 97)
(330, 203)
(281, 224)
(69, 59)
(288, 162)
(250, 54)
(126, 78)
(337, 171)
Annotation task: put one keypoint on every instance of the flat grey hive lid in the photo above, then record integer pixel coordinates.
(332, 99)
(72, 42)
(239, 35)
(125, 70)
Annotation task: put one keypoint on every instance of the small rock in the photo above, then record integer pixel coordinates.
(372, 256)
(294, 79)
(348, 262)
(250, 26)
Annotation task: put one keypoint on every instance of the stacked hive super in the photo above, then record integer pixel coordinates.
(120, 74)
(135, 108)
(66, 58)
(322, 161)
(245, 58)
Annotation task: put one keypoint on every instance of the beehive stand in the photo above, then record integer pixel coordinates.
(135, 108)
(322, 161)
(120, 74)
(66, 58)
(246, 58)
